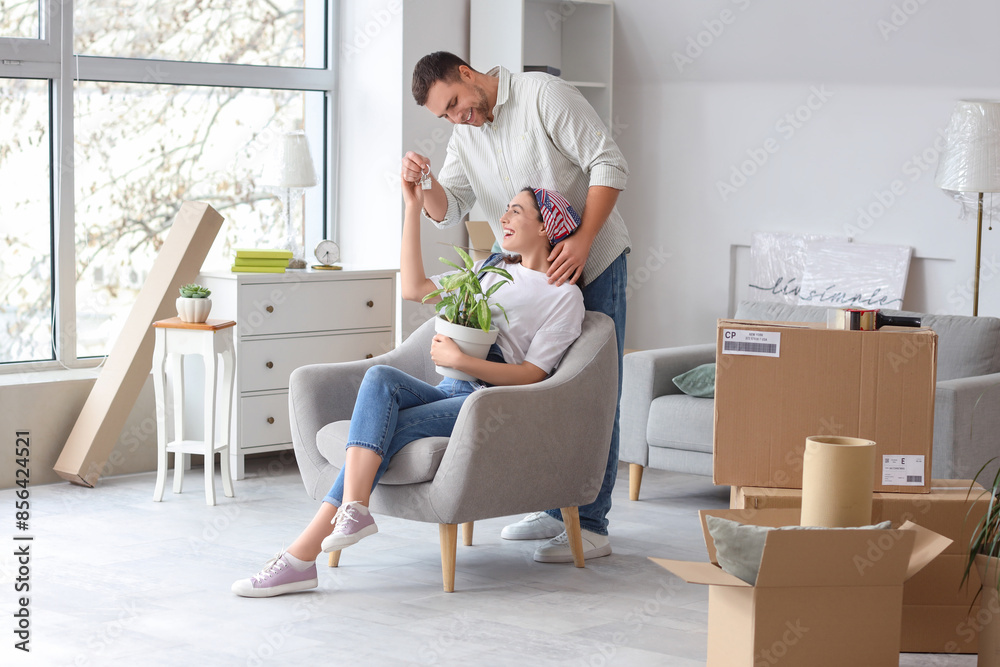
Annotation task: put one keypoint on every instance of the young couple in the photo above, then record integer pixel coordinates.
(393, 408)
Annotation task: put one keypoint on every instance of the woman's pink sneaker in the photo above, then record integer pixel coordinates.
(277, 578)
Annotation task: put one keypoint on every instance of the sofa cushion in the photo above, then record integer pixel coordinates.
(416, 462)
(699, 381)
(681, 422)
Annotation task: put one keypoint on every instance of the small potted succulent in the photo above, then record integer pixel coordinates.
(193, 305)
(984, 555)
(464, 310)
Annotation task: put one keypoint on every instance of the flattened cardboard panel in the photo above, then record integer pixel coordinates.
(128, 365)
(940, 629)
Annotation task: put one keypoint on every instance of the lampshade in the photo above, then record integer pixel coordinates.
(970, 162)
(291, 165)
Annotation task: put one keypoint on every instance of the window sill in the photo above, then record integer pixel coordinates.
(44, 376)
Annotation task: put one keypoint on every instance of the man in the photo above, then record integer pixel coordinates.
(515, 130)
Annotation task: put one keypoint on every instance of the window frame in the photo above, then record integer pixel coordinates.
(44, 58)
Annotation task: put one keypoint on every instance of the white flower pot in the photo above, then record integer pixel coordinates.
(989, 612)
(193, 310)
(473, 342)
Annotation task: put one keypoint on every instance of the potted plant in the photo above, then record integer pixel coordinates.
(984, 555)
(193, 305)
(464, 310)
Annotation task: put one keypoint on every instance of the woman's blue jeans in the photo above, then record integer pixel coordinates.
(393, 409)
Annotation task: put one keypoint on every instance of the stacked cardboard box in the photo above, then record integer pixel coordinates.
(939, 614)
(778, 383)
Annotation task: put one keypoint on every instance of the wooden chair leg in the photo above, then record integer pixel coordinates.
(467, 533)
(571, 519)
(634, 480)
(449, 546)
(334, 558)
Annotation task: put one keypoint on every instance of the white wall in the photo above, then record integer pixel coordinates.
(879, 97)
(380, 122)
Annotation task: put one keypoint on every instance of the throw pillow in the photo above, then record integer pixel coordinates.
(740, 547)
(699, 381)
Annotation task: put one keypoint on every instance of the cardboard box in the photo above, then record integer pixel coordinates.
(778, 383)
(938, 611)
(822, 597)
(940, 629)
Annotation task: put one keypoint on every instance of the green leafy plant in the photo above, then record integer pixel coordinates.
(985, 538)
(195, 291)
(463, 300)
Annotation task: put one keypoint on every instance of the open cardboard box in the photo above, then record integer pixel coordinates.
(939, 611)
(822, 597)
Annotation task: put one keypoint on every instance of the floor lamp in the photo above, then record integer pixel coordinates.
(970, 162)
(289, 172)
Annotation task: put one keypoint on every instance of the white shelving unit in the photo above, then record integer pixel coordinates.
(575, 37)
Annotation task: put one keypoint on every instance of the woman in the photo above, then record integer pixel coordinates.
(394, 409)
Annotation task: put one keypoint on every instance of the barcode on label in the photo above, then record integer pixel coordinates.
(915, 479)
(754, 343)
(741, 346)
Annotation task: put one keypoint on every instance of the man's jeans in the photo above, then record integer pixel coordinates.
(606, 294)
(393, 409)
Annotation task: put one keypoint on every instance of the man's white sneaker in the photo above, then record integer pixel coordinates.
(535, 526)
(557, 549)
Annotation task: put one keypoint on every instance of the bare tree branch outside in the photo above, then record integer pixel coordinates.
(140, 151)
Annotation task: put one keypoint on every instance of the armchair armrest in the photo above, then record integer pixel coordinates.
(648, 374)
(966, 426)
(319, 394)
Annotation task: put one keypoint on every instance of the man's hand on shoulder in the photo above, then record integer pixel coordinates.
(568, 259)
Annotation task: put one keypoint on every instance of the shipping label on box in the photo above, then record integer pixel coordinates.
(779, 383)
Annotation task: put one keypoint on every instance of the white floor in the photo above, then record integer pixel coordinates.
(116, 579)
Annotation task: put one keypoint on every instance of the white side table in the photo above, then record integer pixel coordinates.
(213, 340)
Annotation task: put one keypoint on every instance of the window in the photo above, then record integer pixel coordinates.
(160, 103)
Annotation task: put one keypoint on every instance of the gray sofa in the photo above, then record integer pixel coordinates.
(665, 429)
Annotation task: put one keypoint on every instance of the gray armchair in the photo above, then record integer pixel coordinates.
(513, 449)
(664, 429)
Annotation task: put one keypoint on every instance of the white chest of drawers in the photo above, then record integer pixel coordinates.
(287, 320)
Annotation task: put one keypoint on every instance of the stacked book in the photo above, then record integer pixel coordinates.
(259, 260)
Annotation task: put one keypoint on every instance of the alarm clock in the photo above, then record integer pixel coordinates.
(328, 253)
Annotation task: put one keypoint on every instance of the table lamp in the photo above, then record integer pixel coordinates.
(970, 162)
(289, 172)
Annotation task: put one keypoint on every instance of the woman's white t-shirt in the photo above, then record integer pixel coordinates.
(544, 319)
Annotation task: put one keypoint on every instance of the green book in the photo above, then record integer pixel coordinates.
(265, 261)
(258, 269)
(263, 253)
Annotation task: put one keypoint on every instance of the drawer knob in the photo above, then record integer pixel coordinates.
(371, 304)
(270, 420)
(270, 309)
(270, 364)
(369, 355)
